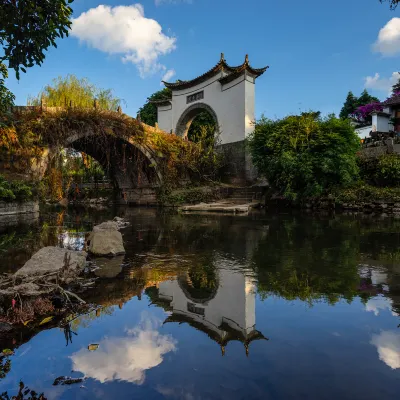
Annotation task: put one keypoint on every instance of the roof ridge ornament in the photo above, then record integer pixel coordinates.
(222, 57)
(246, 59)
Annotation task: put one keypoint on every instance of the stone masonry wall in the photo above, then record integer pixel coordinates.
(18, 208)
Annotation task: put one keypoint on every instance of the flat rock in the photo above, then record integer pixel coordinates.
(53, 259)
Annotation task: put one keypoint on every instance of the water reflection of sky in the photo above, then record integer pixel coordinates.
(340, 341)
(126, 358)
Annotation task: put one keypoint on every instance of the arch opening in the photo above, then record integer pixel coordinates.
(128, 165)
(197, 122)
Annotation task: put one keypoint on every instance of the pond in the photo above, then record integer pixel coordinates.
(263, 306)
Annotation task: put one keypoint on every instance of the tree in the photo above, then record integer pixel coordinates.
(393, 3)
(29, 27)
(396, 87)
(304, 156)
(349, 106)
(148, 112)
(6, 97)
(81, 92)
(366, 98)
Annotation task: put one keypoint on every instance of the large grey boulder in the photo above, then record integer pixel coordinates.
(65, 263)
(106, 240)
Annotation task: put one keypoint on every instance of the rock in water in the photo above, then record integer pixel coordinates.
(50, 259)
(106, 240)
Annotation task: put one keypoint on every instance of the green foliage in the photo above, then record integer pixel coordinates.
(202, 127)
(349, 106)
(301, 263)
(148, 112)
(16, 190)
(81, 92)
(380, 171)
(388, 170)
(29, 27)
(366, 98)
(363, 192)
(305, 156)
(6, 97)
(191, 195)
(353, 102)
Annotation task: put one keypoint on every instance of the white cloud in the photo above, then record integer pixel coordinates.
(377, 82)
(378, 304)
(388, 346)
(126, 358)
(125, 30)
(388, 42)
(168, 75)
(161, 2)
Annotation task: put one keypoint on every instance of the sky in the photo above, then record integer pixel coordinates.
(317, 50)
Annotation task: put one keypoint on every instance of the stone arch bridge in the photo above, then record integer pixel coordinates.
(136, 169)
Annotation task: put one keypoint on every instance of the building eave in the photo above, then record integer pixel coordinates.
(221, 66)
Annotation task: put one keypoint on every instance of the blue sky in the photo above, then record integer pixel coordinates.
(317, 50)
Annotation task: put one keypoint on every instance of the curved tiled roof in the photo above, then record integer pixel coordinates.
(220, 66)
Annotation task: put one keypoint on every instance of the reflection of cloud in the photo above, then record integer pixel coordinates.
(388, 345)
(125, 358)
(378, 303)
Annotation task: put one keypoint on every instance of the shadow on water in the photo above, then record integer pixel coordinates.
(189, 289)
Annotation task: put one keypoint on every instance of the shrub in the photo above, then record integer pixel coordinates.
(10, 191)
(388, 170)
(304, 156)
(380, 171)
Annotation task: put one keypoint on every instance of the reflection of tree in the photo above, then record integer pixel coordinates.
(200, 282)
(307, 260)
(5, 366)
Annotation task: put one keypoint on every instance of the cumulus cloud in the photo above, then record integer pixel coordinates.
(126, 31)
(388, 346)
(125, 358)
(382, 84)
(378, 304)
(161, 2)
(168, 75)
(388, 42)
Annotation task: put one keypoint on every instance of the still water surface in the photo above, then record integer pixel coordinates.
(264, 306)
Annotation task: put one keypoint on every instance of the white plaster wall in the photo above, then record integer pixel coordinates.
(164, 118)
(250, 104)
(364, 131)
(234, 302)
(233, 103)
(383, 124)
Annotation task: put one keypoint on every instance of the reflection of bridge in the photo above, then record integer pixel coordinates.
(224, 314)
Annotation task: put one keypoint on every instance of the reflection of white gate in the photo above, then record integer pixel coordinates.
(226, 92)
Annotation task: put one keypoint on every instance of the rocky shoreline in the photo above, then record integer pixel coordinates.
(48, 286)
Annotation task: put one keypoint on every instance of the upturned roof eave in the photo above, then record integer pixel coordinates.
(218, 68)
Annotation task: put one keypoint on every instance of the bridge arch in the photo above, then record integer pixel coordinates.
(124, 160)
(187, 117)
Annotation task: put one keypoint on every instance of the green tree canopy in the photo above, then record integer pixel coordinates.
(148, 112)
(396, 87)
(353, 102)
(366, 98)
(6, 97)
(81, 92)
(29, 27)
(349, 106)
(304, 156)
